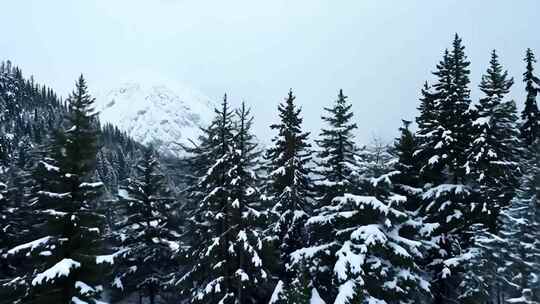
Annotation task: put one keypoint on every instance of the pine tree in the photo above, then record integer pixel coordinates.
(289, 184)
(407, 181)
(7, 239)
(359, 240)
(246, 241)
(66, 257)
(337, 167)
(336, 158)
(530, 127)
(227, 264)
(15, 220)
(493, 156)
(148, 238)
(427, 121)
(208, 278)
(522, 231)
(493, 164)
(374, 261)
(445, 138)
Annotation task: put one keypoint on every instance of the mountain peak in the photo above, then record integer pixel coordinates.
(162, 115)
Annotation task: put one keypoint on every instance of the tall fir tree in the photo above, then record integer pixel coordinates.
(427, 122)
(359, 230)
(226, 262)
(448, 201)
(337, 155)
(337, 170)
(147, 234)
(493, 156)
(494, 165)
(66, 258)
(246, 242)
(522, 233)
(289, 185)
(530, 116)
(208, 276)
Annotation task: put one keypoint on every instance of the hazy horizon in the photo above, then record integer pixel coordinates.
(378, 52)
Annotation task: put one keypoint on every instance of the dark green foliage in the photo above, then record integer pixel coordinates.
(337, 154)
(530, 127)
(147, 235)
(65, 256)
(493, 160)
(338, 171)
(225, 264)
(444, 132)
(289, 184)
(407, 181)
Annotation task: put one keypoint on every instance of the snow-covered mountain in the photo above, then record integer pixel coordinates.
(158, 114)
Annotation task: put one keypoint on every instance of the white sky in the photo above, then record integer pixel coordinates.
(380, 52)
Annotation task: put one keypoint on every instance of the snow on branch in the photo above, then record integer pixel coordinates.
(60, 269)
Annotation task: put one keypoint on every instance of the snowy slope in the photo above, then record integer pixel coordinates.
(158, 114)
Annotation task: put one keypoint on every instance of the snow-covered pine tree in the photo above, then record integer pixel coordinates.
(359, 240)
(427, 122)
(493, 158)
(493, 165)
(530, 116)
(522, 232)
(198, 159)
(148, 237)
(447, 198)
(208, 276)
(226, 265)
(336, 157)
(407, 181)
(66, 255)
(337, 169)
(289, 186)
(373, 261)
(15, 221)
(7, 240)
(299, 290)
(246, 239)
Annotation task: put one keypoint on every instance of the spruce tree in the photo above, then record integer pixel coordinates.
(226, 264)
(7, 238)
(407, 181)
(337, 170)
(374, 262)
(493, 163)
(148, 237)
(208, 278)
(493, 156)
(336, 159)
(289, 185)
(246, 241)
(364, 226)
(447, 199)
(16, 218)
(427, 127)
(66, 256)
(530, 120)
(522, 232)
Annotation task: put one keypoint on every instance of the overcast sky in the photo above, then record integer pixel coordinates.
(379, 52)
